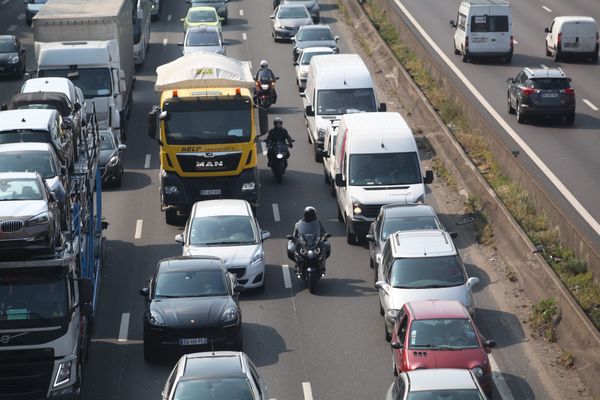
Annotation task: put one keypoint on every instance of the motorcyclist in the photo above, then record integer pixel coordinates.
(265, 75)
(277, 134)
(309, 217)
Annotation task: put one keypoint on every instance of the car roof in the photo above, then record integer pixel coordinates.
(189, 263)
(422, 243)
(38, 119)
(218, 364)
(440, 379)
(574, 18)
(211, 208)
(202, 8)
(395, 210)
(25, 147)
(203, 28)
(291, 5)
(6, 38)
(545, 72)
(19, 175)
(432, 309)
(50, 84)
(315, 27)
(317, 49)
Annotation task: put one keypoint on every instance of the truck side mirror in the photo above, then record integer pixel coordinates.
(153, 122)
(428, 177)
(77, 107)
(339, 180)
(382, 107)
(309, 111)
(86, 290)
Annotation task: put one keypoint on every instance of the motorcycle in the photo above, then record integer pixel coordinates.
(263, 93)
(309, 253)
(279, 154)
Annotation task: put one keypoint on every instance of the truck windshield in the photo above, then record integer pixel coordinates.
(384, 169)
(32, 297)
(93, 82)
(38, 161)
(24, 135)
(208, 121)
(345, 101)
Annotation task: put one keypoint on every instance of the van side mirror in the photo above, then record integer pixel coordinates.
(86, 290)
(370, 237)
(428, 177)
(309, 111)
(264, 235)
(452, 24)
(336, 38)
(122, 147)
(382, 107)
(153, 122)
(339, 180)
(547, 30)
(453, 235)
(179, 239)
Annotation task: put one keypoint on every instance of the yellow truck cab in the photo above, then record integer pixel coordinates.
(205, 129)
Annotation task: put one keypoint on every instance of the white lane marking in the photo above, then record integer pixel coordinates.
(263, 148)
(287, 279)
(499, 382)
(547, 9)
(165, 41)
(244, 36)
(12, 28)
(276, 215)
(590, 104)
(21, 16)
(169, 17)
(511, 132)
(241, 13)
(147, 161)
(138, 229)
(4, 2)
(307, 391)
(124, 327)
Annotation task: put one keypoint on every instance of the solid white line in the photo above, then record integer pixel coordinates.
(124, 328)
(165, 41)
(169, 17)
(138, 229)
(241, 13)
(263, 148)
(499, 382)
(511, 132)
(147, 161)
(12, 28)
(547, 9)
(287, 279)
(307, 391)
(244, 36)
(590, 104)
(276, 215)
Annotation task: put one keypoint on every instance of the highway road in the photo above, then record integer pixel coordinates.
(570, 153)
(324, 346)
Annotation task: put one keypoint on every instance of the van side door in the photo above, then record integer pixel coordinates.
(311, 100)
(460, 32)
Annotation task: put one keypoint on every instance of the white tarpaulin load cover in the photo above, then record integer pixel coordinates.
(202, 70)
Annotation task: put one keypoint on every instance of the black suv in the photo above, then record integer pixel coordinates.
(543, 92)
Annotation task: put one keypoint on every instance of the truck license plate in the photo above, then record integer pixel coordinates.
(193, 342)
(210, 192)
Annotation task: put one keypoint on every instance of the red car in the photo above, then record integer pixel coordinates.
(440, 334)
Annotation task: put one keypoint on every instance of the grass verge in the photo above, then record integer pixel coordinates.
(542, 319)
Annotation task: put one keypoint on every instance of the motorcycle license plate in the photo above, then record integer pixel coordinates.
(193, 341)
(210, 192)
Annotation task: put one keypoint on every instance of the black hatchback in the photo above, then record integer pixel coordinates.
(542, 92)
(191, 305)
(12, 56)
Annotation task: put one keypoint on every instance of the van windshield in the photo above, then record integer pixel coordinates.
(345, 101)
(93, 82)
(384, 169)
(489, 23)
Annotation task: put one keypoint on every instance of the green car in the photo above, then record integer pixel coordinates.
(198, 16)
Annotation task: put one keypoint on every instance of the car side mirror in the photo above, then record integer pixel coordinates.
(296, 64)
(327, 236)
(264, 235)
(289, 237)
(77, 107)
(86, 309)
(293, 39)
(453, 235)
(180, 44)
(272, 16)
(122, 147)
(452, 24)
(547, 30)
(382, 107)
(510, 80)
(86, 290)
(221, 19)
(145, 292)
(490, 344)
(179, 239)
(226, 42)
(428, 177)
(309, 111)
(396, 345)
(182, 19)
(22, 51)
(237, 288)
(303, 95)
(339, 180)
(472, 281)
(382, 286)
(53, 197)
(370, 237)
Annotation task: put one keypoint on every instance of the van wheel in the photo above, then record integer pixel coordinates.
(556, 54)
(511, 109)
(455, 49)
(595, 58)
(464, 57)
(340, 216)
(350, 237)
(548, 54)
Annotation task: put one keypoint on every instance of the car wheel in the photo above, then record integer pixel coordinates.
(511, 109)
(570, 119)
(326, 178)
(548, 54)
(455, 49)
(350, 237)
(508, 59)
(520, 116)
(556, 54)
(388, 334)
(171, 216)
(119, 179)
(595, 58)
(371, 263)
(394, 366)
(318, 157)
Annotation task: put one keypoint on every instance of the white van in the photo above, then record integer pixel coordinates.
(336, 84)
(377, 163)
(483, 29)
(575, 36)
(328, 154)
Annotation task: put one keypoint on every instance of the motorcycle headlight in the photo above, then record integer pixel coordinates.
(478, 372)
(230, 317)
(63, 375)
(14, 59)
(321, 133)
(113, 161)
(39, 219)
(279, 156)
(156, 319)
(310, 253)
(264, 87)
(257, 257)
(248, 186)
(171, 190)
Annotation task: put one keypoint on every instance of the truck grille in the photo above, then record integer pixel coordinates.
(11, 226)
(25, 374)
(209, 162)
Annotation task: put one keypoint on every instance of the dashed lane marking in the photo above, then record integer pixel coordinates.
(138, 229)
(165, 41)
(241, 13)
(307, 391)
(287, 278)
(147, 161)
(169, 17)
(547, 9)
(263, 148)
(499, 382)
(590, 104)
(276, 215)
(124, 327)
(244, 36)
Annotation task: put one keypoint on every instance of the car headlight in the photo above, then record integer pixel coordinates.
(257, 257)
(156, 319)
(248, 186)
(39, 219)
(321, 133)
(113, 161)
(171, 190)
(14, 59)
(63, 375)
(230, 317)
(478, 372)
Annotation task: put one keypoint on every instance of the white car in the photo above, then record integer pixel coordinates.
(303, 62)
(203, 39)
(421, 265)
(445, 383)
(227, 229)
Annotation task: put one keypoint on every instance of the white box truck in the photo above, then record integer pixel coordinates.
(93, 46)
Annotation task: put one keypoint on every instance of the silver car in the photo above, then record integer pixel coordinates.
(443, 383)
(287, 19)
(227, 229)
(203, 39)
(311, 5)
(29, 214)
(219, 5)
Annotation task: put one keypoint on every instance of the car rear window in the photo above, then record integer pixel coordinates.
(549, 83)
(489, 23)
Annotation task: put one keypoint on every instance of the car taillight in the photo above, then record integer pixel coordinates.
(527, 91)
(558, 40)
(569, 91)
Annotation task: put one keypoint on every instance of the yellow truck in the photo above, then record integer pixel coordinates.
(206, 133)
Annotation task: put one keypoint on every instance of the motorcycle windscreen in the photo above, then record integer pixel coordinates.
(309, 233)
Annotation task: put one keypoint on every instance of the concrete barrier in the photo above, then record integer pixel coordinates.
(575, 331)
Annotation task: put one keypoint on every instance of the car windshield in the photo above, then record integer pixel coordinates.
(206, 1)
(384, 169)
(345, 101)
(292, 13)
(19, 189)
(24, 135)
(93, 82)
(427, 272)
(314, 34)
(202, 16)
(443, 334)
(33, 297)
(459, 394)
(202, 283)
(213, 389)
(550, 83)
(7, 46)
(222, 230)
(107, 141)
(391, 225)
(208, 120)
(306, 57)
(35, 161)
(196, 38)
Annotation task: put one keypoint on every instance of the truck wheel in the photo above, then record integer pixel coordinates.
(171, 216)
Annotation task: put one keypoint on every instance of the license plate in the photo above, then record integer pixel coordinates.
(572, 44)
(549, 95)
(193, 342)
(210, 192)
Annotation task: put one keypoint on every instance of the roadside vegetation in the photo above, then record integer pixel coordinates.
(542, 319)
(572, 270)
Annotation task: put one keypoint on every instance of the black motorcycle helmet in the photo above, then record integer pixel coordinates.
(277, 121)
(310, 214)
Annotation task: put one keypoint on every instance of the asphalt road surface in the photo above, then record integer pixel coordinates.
(324, 346)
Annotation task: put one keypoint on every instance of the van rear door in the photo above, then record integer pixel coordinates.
(479, 35)
(490, 31)
(578, 37)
